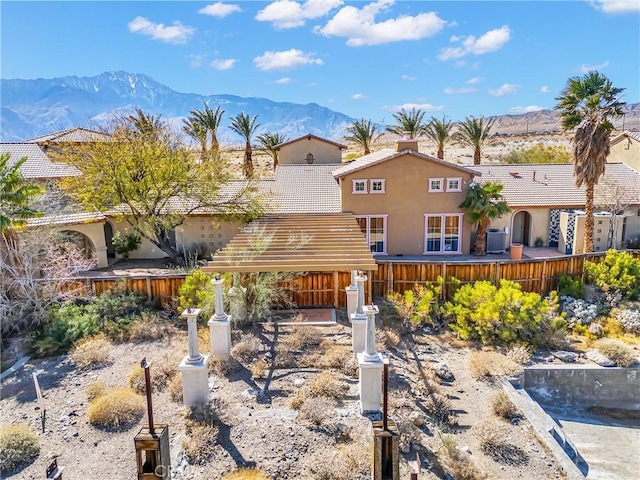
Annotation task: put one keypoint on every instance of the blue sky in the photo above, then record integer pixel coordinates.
(365, 59)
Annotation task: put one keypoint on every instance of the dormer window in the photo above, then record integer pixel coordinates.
(309, 158)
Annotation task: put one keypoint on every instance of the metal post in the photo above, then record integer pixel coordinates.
(147, 382)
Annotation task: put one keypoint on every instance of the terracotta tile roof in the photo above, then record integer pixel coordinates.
(626, 134)
(309, 136)
(387, 154)
(71, 135)
(552, 185)
(67, 219)
(38, 164)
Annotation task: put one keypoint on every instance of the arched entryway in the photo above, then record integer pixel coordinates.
(80, 240)
(108, 240)
(521, 228)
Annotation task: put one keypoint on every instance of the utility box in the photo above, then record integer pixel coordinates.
(385, 459)
(152, 453)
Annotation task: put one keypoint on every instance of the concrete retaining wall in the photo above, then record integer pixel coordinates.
(584, 386)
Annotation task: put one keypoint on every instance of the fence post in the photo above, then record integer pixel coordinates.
(390, 278)
(496, 279)
(543, 279)
(89, 287)
(336, 289)
(443, 274)
(149, 290)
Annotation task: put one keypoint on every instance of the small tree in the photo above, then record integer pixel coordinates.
(615, 198)
(408, 122)
(245, 126)
(417, 306)
(439, 132)
(362, 133)
(483, 203)
(475, 133)
(269, 141)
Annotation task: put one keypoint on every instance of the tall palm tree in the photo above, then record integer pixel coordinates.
(245, 126)
(408, 122)
(145, 124)
(192, 127)
(210, 120)
(363, 133)
(586, 103)
(439, 132)
(269, 141)
(482, 204)
(475, 133)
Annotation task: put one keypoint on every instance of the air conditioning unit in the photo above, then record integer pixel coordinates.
(496, 240)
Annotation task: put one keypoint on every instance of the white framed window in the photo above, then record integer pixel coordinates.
(454, 184)
(375, 229)
(359, 186)
(443, 233)
(376, 185)
(436, 185)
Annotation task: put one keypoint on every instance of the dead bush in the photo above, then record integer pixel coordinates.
(519, 354)
(18, 446)
(340, 357)
(304, 337)
(439, 409)
(91, 351)
(299, 397)
(118, 408)
(504, 407)
(617, 351)
(152, 326)
(164, 370)
(488, 364)
(95, 390)
(136, 380)
(494, 442)
(326, 384)
(200, 432)
(175, 388)
(259, 368)
(387, 339)
(457, 462)
(246, 474)
(223, 367)
(315, 411)
(430, 380)
(344, 463)
(247, 348)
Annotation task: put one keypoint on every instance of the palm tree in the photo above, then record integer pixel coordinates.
(363, 133)
(145, 124)
(210, 120)
(587, 102)
(408, 122)
(198, 132)
(475, 133)
(245, 127)
(269, 141)
(482, 204)
(439, 131)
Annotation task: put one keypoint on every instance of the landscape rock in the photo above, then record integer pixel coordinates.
(602, 360)
(298, 382)
(442, 371)
(406, 448)
(417, 418)
(596, 329)
(567, 357)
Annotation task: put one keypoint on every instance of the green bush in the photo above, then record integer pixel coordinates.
(127, 244)
(502, 316)
(570, 287)
(539, 153)
(18, 445)
(418, 305)
(195, 290)
(616, 271)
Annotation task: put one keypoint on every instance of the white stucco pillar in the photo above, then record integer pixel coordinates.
(195, 376)
(352, 294)
(370, 367)
(358, 318)
(220, 325)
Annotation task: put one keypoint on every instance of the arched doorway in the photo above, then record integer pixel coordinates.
(108, 240)
(521, 228)
(80, 240)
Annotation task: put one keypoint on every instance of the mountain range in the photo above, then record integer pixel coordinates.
(31, 108)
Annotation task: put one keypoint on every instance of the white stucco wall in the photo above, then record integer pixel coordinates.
(95, 233)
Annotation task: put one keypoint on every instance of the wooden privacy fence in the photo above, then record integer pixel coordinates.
(328, 288)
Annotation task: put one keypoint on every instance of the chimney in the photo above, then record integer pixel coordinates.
(407, 143)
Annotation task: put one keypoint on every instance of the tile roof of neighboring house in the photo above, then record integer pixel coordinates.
(388, 154)
(71, 135)
(67, 219)
(303, 189)
(553, 185)
(38, 164)
(626, 134)
(309, 136)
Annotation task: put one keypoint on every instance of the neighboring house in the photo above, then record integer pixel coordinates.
(625, 148)
(538, 194)
(309, 149)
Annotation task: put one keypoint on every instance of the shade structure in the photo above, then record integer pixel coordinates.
(296, 243)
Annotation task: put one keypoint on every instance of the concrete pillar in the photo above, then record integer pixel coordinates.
(370, 367)
(352, 294)
(220, 325)
(195, 375)
(237, 303)
(358, 318)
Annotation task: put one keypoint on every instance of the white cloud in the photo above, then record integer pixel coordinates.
(358, 96)
(196, 60)
(527, 109)
(426, 107)
(616, 6)
(489, 42)
(358, 25)
(176, 33)
(285, 60)
(505, 89)
(459, 91)
(284, 80)
(408, 78)
(589, 68)
(544, 89)
(220, 9)
(223, 64)
(474, 81)
(285, 14)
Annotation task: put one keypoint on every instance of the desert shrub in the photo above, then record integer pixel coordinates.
(417, 306)
(612, 328)
(520, 354)
(494, 442)
(95, 390)
(326, 384)
(303, 337)
(489, 364)
(200, 423)
(175, 388)
(387, 339)
(18, 445)
(152, 326)
(616, 271)
(315, 411)
(503, 406)
(195, 290)
(119, 408)
(259, 368)
(457, 462)
(127, 244)
(91, 351)
(136, 381)
(347, 462)
(246, 474)
(504, 315)
(340, 358)
(116, 309)
(629, 320)
(247, 348)
(621, 353)
(570, 287)
(439, 409)
(538, 153)
(267, 290)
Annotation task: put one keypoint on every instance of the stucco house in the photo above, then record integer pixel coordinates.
(309, 149)
(625, 148)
